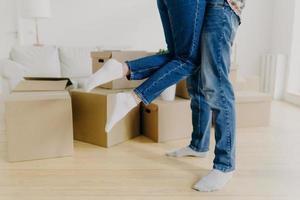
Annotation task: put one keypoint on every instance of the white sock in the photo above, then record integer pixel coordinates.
(186, 151)
(215, 180)
(111, 70)
(124, 103)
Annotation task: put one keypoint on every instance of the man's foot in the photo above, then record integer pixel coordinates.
(111, 70)
(124, 103)
(215, 180)
(186, 151)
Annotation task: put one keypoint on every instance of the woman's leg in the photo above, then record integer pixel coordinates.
(186, 17)
(145, 67)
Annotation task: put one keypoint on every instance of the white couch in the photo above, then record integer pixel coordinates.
(46, 61)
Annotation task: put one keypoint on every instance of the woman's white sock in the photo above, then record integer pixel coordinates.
(123, 104)
(111, 70)
(186, 151)
(215, 180)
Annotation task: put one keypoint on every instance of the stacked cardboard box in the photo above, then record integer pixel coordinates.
(248, 104)
(39, 120)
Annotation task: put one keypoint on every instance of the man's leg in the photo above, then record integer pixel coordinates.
(201, 118)
(217, 37)
(145, 67)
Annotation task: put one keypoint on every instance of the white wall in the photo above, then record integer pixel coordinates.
(254, 35)
(130, 24)
(135, 24)
(7, 26)
(294, 48)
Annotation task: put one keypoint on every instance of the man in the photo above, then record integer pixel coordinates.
(211, 90)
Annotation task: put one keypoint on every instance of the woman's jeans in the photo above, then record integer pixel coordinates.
(182, 23)
(210, 88)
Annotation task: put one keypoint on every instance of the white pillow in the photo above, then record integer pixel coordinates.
(76, 61)
(40, 61)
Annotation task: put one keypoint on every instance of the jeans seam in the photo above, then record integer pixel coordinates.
(221, 88)
(179, 66)
(224, 169)
(140, 95)
(144, 70)
(199, 114)
(194, 28)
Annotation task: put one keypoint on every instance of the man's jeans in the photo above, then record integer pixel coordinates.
(210, 88)
(182, 23)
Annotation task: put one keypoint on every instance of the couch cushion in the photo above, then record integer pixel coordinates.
(40, 61)
(11, 73)
(76, 61)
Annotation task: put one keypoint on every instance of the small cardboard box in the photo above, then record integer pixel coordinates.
(181, 90)
(253, 109)
(167, 120)
(38, 116)
(91, 111)
(100, 57)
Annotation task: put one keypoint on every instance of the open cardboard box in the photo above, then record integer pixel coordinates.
(39, 119)
(100, 57)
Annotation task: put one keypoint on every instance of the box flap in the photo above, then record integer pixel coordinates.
(43, 84)
(123, 56)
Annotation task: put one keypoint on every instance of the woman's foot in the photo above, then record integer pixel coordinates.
(215, 180)
(111, 70)
(186, 151)
(123, 104)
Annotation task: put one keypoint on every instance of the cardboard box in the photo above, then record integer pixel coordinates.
(181, 90)
(91, 111)
(39, 120)
(100, 57)
(167, 120)
(253, 109)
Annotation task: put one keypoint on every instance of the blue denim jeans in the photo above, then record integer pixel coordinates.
(210, 88)
(182, 23)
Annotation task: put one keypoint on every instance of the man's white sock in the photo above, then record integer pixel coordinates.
(111, 70)
(186, 151)
(215, 180)
(124, 103)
